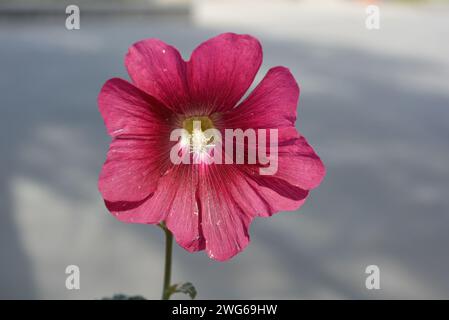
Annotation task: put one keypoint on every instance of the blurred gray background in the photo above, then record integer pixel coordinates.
(374, 104)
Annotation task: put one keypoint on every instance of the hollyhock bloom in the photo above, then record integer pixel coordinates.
(206, 206)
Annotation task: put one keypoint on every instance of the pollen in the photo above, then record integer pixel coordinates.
(198, 141)
(203, 123)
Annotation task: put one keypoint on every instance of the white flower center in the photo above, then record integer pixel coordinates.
(197, 139)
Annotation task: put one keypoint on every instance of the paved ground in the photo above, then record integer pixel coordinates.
(374, 104)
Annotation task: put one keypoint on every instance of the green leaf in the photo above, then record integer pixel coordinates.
(186, 288)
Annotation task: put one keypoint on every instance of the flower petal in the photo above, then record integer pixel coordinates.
(128, 111)
(272, 104)
(225, 225)
(298, 163)
(158, 69)
(221, 70)
(174, 201)
(131, 170)
(139, 153)
(269, 195)
(230, 199)
(184, 218)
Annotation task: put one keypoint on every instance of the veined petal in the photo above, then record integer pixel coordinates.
(175, 202)
(221, 70)
(272, 104)
(224, 223)
(184, 218)
(139, 153)
(128, 111)
(230, 200)
(158, 69)
(132, 169)
(297, 161)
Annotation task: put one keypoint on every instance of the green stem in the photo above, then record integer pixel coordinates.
(168, 255)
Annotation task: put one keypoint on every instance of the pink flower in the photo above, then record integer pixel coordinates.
(206, 206)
